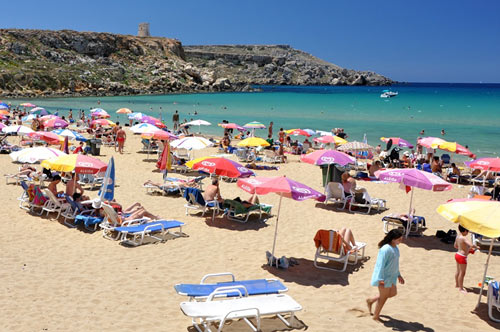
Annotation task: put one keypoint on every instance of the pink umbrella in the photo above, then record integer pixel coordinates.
(46, 136)
(485, 164)
(397, 141)
(283, 186)
(326, 157)
(55, 123)
(299, 132)
(162, 135)
(431, 142)
(412, 177)
(231, 126)
(151, 120)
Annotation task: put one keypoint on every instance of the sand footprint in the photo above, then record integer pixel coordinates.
(358, 312)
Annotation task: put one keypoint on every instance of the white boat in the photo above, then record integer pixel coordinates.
(388, 94)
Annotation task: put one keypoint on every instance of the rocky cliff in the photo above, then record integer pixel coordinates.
(275, 64)
(70, 63)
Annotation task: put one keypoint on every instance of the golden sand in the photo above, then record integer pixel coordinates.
(54, 278)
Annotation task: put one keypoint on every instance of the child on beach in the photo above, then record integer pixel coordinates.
(386, 272)
(465, 247)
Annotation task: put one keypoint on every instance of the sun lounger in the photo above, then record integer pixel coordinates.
(334, 192)
(135, 234)
(238, 212)
(396, 221)
(113, 220)
(243, 307)
(195, 201)
(493, 299)
(252, 287)
(485, 242)
(330, 246)
(54, 204)
(271, 156)
(366, 201)
(80, 215)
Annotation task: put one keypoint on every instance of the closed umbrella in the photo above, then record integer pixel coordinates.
(477, 216)
(283, 186)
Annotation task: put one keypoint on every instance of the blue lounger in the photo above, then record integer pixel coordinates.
(252, 287)
(138, 232)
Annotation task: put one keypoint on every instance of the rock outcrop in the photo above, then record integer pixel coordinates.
(70, 63)
(275, 64)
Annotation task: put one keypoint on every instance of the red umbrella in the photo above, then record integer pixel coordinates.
(79, 163)
(154, 121)
(299, 132)
(46, 136)
(284, 187)
(485, 164)
(220, 166)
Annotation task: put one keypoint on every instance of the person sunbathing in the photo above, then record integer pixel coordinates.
(254, 199)
(347, 238)
(261, 167)
(173, 184)
(25, 170)
(485, 175)
(134, 211)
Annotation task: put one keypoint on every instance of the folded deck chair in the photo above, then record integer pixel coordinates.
(493, 299)
(366, 201)
(484, 241)
(242, 307)
(135, 234)
(195, 201)
(329, 246)
(395, 220)
(334, 192)
(238, 212)
(252, 287)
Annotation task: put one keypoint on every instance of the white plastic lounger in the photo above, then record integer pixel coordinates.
(493, 300)
(243, 307)
(135, 234)
(253, 286)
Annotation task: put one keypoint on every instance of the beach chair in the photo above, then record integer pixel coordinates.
(148, 146)
(182, 154)
(91, 180)
(446, 159)
(135, 234)
(334, 192)
(195, 201)
(366, 201)
(329, 246)
(493, 299)
(211, 311)
(80, 214)
(24, 199)
(395, 220)
(112, 220)
(37, 199)
(252, 287)
(483, 241)
(238, 212)
(270, 156)
(54, 204)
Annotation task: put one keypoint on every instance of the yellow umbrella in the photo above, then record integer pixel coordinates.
(253, 141)
(477, 216)
(194, 161)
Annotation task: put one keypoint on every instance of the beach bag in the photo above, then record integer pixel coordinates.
(450, 236)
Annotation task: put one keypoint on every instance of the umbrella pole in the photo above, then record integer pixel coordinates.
(484, 275)
(411, 202)
(276, 233)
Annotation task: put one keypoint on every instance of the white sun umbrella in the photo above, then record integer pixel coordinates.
(20, 130)
(191, 143)
(198, 123)
(136, 116)
(29, 118)
(33, 155)
(142, 128)
(72, 135)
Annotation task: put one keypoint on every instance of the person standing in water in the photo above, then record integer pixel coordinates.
(386, 273)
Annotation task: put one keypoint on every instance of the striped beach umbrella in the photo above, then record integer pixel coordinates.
(355, 146)
(254, 125)
(33, 155)
(79, 163)
(72, 135)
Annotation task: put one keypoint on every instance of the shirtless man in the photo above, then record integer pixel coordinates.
(121, 136)
(114, 131)
(72, 188)
(465, 247)
(212, 192)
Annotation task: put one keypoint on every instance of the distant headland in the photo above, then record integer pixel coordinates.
(38, 63)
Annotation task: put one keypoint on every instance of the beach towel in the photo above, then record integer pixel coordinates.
(261, 167)
(330, 241)
(197, 195)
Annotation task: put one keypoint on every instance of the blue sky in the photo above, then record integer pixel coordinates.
(416, 41)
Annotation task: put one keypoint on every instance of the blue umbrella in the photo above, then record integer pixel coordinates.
(107, 191)
(70, 134)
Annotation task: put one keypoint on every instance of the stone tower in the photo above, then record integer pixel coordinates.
(143, 30)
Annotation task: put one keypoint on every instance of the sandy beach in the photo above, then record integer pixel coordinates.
(54, 278)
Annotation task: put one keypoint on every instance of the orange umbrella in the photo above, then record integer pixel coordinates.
(124, 111)
(4, 112)
(162, 135)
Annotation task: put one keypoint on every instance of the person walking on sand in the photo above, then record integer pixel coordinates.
(386, 272)
(465, 247)
(121, 136)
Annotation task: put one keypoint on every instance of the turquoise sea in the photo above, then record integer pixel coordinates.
(469, 113)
